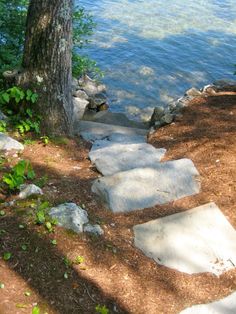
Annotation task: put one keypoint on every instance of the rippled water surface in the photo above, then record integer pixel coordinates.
(153, 50)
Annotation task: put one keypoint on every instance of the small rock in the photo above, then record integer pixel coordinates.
(103, 107)
(81, 94)
(8, 144)
(70, 216)
(158, 113)
(91, 87)
(27, 190)
(193, 92)
(167, 118)
(209, 90)
(74, 84)
(95, 229)
(80, 106)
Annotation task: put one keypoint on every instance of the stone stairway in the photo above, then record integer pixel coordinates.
(134, 177)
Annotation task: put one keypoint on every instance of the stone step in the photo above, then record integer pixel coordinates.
(197, 240)
(121, 157)
(224, 306)
(114, 118)
(92, 131)
(146, 187)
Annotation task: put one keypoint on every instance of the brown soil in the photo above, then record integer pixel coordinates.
(114, 272)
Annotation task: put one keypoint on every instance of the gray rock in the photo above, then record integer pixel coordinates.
(81, 94)
(80, 106)
(113, 118)
(95, 229)
(197, 240)
(27, 190)
(91, 87)
(75, 84)
(9, 144)
(92, 131)
(146, 187)
(70, 216)
(97, 100)
(2, 116)
(121, 157)
(167, 118)
(224, 306)
(194, 92)
(118, 138)
(158, 113)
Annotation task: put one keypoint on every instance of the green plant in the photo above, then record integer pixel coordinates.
(35, 310)
(7, 256)
(45, 139)
(79, 260)
(18, 105)
(41, 182)
(19, 174)
(102, 309)
(3, 126)
(43, 218)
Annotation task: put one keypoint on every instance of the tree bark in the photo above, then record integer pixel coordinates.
(46, 63)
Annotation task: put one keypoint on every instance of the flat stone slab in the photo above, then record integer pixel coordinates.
(114, 118)
(146, 187)
(9, 144)
(121, 157)
(116, 138)
(223, 306)
(198, 240)
(92, 131)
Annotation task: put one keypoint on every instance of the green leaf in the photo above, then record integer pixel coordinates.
(2, 213)
(48, 226)
(79, 259)
(6, 97)
(65, 276)
(54, 242)
(27, 294)
(36, 310)
(34, 98)
(7, 256)
(2, 286)
(24, 247)
(40, 217)
(28, 94)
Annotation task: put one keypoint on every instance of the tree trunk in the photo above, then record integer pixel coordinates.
(47, 62)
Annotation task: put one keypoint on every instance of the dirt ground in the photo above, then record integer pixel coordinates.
(114, 273)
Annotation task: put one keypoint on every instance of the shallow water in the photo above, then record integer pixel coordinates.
(152, 50)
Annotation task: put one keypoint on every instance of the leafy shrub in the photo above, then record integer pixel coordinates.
(19, 174)
(17, 104)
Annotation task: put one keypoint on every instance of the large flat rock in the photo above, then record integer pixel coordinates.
(145, 187)
(121, 157)
(223, 306)
(198, 240)
(92, 131)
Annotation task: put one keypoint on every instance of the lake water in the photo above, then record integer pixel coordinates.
(151, 51)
